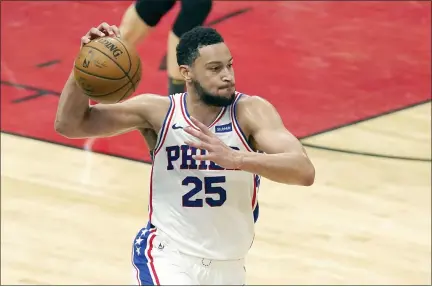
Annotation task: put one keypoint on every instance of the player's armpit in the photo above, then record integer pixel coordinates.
(104, 120)
(284, 159)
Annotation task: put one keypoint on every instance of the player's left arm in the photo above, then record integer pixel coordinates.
(284, 159)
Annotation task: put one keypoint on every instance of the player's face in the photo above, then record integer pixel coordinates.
(213, 75)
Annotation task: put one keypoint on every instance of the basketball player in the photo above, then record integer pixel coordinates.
(206, 171)
(143, 16)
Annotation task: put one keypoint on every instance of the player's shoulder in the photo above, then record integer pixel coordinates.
(152, 107)
(251, 101)
(248, 108)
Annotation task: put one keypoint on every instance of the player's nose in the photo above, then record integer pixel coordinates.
(228, 77)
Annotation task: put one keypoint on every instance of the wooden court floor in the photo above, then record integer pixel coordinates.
(69, 216)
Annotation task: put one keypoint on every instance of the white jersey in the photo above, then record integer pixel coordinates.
(204, 209)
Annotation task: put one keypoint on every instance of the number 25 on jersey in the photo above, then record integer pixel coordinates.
(215, 194)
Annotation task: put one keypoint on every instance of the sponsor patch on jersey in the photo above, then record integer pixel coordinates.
(224, 128)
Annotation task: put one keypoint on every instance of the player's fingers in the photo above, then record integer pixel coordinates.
(192, 144)
(106, 28)
(199, 145)
(116, 30)
(85, 40)
(202, 126)
(95, 33)
(202, 157)
(198, 134)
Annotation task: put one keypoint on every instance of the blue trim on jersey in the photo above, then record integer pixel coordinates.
(256, 213)
(185, 107)
(257, 179)
(163, 128)
(140, 260)
(236, 122)
(150, 225)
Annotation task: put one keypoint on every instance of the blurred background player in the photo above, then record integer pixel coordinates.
(142, 16)
(137, 23)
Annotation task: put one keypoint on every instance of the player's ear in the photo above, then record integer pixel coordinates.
(186, 73)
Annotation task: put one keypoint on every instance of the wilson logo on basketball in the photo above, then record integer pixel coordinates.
(110, 46)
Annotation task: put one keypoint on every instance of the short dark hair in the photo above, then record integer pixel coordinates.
(191, 41)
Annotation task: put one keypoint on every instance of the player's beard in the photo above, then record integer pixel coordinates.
(211, 99)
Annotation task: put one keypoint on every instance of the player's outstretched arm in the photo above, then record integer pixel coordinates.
(284, 159)
(76, 119)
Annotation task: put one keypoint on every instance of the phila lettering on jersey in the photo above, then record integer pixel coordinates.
(204, 209)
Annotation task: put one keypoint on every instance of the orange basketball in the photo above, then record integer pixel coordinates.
(108, 70)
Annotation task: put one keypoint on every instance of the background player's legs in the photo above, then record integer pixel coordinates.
(176, 84)
(141, 17)
(132, 28)
(193, 13)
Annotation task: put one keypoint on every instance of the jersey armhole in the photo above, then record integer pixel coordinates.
(236, 125)
(165, 126)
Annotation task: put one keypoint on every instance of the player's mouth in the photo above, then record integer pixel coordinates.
(230, 87)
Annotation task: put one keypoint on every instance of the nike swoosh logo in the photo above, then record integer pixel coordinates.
(176, 127)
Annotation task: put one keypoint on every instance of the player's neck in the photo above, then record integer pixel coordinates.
(201, 111)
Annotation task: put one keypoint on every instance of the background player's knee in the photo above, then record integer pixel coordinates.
(151, 12)
(193, 13)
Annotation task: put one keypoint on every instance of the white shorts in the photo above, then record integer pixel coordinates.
(155, 262)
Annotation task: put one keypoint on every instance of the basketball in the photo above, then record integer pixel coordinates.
(108, 70)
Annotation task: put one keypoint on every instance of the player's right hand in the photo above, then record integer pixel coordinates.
(101, 31)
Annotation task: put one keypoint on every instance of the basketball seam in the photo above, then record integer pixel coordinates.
(126, 74)
(139, 65)
(130, 60)
(127, 52)
(101, 95)
(102, 77)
